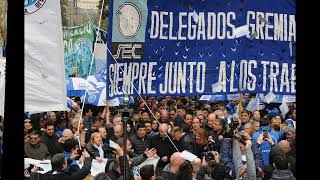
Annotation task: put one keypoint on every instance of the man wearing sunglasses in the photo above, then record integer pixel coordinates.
(35, 149)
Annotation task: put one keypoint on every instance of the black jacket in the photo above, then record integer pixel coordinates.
(166, 174)
(54, 147)
(282, 175)
(139, 144)
(163, 147)
(185, 143)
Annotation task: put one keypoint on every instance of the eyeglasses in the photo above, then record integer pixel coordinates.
(34, 137)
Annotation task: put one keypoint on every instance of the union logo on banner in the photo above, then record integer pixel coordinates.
(31, 6)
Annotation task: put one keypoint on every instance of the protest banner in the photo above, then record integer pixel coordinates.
(210, 47)
(78, 46)
(44, 88)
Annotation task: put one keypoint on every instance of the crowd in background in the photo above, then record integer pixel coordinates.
(229, 141)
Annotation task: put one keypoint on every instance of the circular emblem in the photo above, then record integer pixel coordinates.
(129, 20)
(92, 98)
(31, 6)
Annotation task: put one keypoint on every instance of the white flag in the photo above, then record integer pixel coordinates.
(45, 88)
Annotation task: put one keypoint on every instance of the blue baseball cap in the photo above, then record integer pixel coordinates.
(289, 122)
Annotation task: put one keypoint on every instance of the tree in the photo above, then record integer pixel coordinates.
(104, 18)
(64, 5)
(3, 22)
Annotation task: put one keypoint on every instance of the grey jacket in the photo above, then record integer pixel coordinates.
(236, 156)
(38, 151)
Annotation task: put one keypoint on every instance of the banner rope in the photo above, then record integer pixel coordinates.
(126, 77)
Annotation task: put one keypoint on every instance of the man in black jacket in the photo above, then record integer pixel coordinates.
(50, 139)
(182, 140)
(163, 146)
(140, 141)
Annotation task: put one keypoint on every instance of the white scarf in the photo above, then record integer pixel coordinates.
(101, 153)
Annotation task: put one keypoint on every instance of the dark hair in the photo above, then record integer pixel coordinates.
(218, 172)
(49, 123)
(140, 125)
(264, 122)
(185, 127)
(185, 171)
(146, 172)
(57, 161)
(281, 162)
(102, 176)
(34, 132)
(69, 144)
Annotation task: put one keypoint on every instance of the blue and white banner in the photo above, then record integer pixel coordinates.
(193, 47)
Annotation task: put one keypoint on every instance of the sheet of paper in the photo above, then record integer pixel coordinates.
(151, 160)
(205, 97)
(45, 164)
(188, 156)
(288, 98)
(241, 31)
(98, 167)
(269, 97)
(284, 108)
(113, 144)
(217, 87)
(114, 102)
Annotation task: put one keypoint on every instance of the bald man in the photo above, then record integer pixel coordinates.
(283, 148)
(163, 146)
(117, 132)
(171, 170)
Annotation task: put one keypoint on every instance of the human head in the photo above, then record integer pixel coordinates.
(196, 123)
(96, 138)
(103, 132)
(117, 120)
(129, 145)
(87, 111)
(218, 113)
(202, 136)
(163, 129)
(135, 117)
(201, 118)
(141, 130)
(245, 116)
(147, 172)
(147, 124)
(211, 118)
(157, 114)
(164, 115)
(49, 128)
(27, 139)
(27, 126)
(280, 162)
(177, 133)
(256, 115)
(284, 145)
(175, 161)
(118, 131)
(145, 116)
(75, 123)
(59, 162)
(173, 113)
(129, 127)
(217, 125)
(154, 125)
(256, 125)
(290, 133)
(70, 145)
(276, 120)
(196, 164)
(102, 176)
(185, 170)
(51, 116)
(34, 138)
(249, 128)
(188, 119)
(67, 134)
(181, 111)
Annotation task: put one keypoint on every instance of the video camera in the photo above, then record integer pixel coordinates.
(232, 132)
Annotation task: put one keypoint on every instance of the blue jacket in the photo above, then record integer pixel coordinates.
(265, 147)
(74, 162)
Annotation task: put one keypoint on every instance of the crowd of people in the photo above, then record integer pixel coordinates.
(228, 141)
